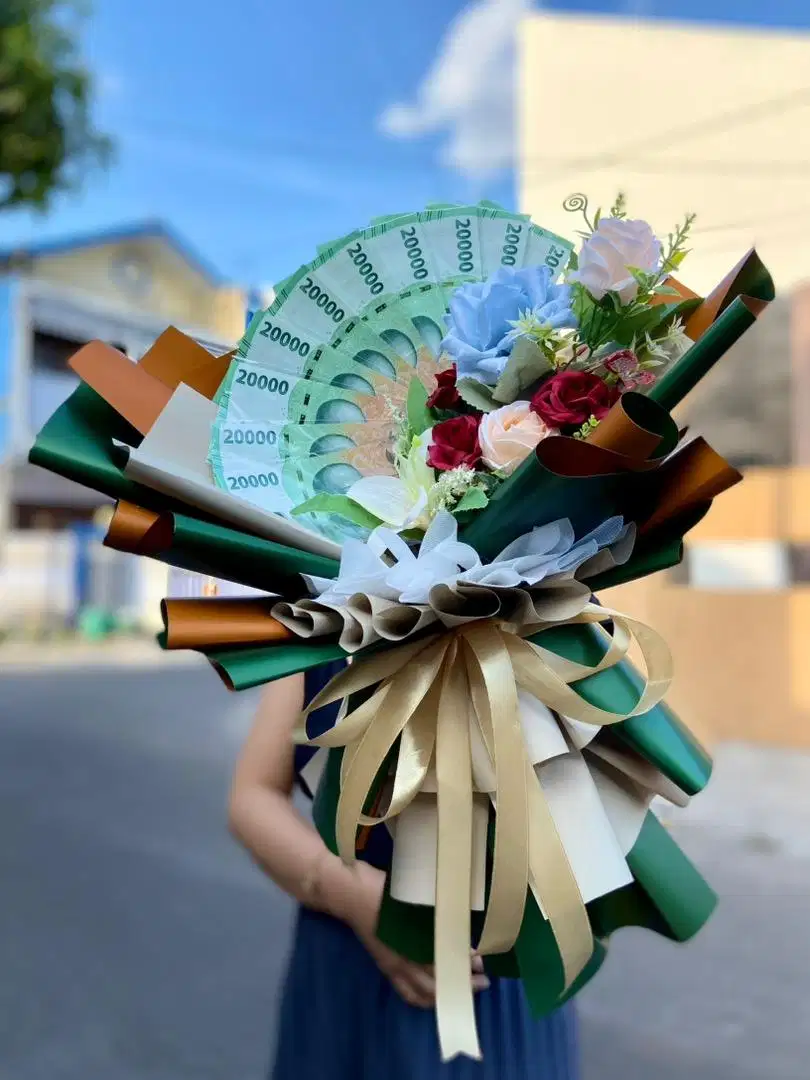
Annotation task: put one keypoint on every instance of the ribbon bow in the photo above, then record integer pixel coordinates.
(427, 694)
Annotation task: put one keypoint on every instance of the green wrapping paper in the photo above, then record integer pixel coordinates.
(215, 550)
(751, 290)
(79, 443)
(614, 471)
(586, 500)
(667, 895)
(657, 735)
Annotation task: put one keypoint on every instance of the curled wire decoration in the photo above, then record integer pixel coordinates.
(576, 203)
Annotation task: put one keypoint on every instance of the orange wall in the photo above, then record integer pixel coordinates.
(742, 659)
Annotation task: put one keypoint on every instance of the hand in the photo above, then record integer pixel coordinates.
(415, 983)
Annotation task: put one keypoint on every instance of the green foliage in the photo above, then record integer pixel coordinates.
(419, 415)
(676, 250)
(477, 395)
(47, 138)
(338, 504)
(526, 364)
(474, 498)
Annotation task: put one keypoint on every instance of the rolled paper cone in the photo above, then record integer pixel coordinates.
(138, 531)
(135, 395)
(687, 372)
(748, 277)
(243, 667)
(576, 479)
(691, 478)
(717, 324)
(214, 550)
(175, 358)
(628, 429)
(215, 623)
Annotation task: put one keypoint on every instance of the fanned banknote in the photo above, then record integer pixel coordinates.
(317, 392)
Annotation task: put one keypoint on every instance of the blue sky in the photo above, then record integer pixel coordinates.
(258, 129)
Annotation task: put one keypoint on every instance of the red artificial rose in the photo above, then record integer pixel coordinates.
(445, 396)
(455, 443)
(571, 398)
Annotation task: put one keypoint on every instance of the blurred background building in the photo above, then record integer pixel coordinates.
(727, 137)
(124, 287)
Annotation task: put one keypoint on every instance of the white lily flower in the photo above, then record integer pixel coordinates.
(400, 502)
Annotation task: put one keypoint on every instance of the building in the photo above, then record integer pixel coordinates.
(715, 121)
(124, 287)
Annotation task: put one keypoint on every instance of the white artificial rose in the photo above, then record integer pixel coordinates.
(610, 251)
(508, 435)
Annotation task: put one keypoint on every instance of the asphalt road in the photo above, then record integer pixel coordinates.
(137, 943)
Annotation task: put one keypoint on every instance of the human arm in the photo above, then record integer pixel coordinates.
(290, 851)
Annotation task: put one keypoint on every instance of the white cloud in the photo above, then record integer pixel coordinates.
(469, 91)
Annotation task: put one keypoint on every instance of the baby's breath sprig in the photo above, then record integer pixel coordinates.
(404, 432)
(451, 487)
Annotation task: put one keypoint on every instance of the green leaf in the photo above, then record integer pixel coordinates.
(338, 504)
(666, 290)
(573, 261)
(48, 140)
(474, 498)
(526, 364)
(477, 394)
(419, 415)
(651, 319)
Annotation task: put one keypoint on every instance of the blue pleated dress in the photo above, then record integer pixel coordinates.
(342, 1020)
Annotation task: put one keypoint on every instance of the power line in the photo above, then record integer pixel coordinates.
(528, 166)
(742, 116)
(739, 169)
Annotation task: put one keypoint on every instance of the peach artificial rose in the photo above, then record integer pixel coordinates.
(508, 435)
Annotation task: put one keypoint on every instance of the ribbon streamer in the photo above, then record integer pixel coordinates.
(431, 694)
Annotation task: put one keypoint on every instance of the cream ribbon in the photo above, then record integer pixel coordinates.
(427, 692)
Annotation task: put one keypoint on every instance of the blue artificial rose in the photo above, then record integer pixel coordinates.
(482, 315)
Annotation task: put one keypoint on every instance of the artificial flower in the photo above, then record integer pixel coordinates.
(483, 316)
(625, 365)
(385, 566)
(670, 347)
(570, 398)
(455, 443)
(508, 435)
(608, 257)
(452, 486)
(400, 502)
(567, 350)
(445, 396)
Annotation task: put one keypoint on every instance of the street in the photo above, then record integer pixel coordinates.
(138, 943)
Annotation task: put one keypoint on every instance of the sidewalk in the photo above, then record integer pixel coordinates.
(757, 800)
(127, 653)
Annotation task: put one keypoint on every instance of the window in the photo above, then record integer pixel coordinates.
(52, 352)
(49, 518)
(799, 556)
(738, 566)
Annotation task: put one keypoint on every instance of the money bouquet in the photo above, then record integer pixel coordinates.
(446, 434)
